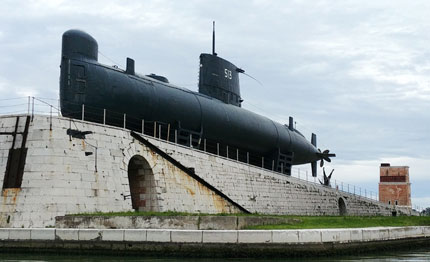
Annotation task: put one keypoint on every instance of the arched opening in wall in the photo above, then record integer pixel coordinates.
(342, 207)
(142, 185)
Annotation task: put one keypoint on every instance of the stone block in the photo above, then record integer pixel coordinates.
(4, 233)
(356, 235)
(396, 233)
(254, 236)
(158, 235)
(186, 236)
(42, 234)
(384, 233)
(112, 234)
(310, 236)
(220, 236)
(67, 234)
(426, 231)
(89, 234)
(135, 235)
(118, 222)
(285, 236)
(371, 234)
(335, 235)
(19, 234)
(218, 223)
(413, 232)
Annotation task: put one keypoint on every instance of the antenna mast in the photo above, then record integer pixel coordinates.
(213, 39)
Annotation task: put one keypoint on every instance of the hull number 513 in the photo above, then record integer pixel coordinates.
(227, 73)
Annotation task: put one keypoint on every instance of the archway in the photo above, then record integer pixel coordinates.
(342, 207)
(142, 185)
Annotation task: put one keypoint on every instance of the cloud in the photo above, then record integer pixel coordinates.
(420, 203)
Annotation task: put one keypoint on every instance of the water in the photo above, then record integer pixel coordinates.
(415, 256)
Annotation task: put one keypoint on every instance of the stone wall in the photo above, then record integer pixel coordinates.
(215, 243)
(204, 222)
(64, 175)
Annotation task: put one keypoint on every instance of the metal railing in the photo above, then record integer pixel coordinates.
(165, 132)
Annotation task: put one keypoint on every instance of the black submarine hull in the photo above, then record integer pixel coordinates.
(84, 81)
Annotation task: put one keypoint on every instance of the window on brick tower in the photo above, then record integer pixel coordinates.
(396, 202)
(389, 202)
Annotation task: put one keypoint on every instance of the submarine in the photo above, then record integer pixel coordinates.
(211, 118)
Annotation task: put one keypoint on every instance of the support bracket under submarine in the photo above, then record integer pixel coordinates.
(213, 115)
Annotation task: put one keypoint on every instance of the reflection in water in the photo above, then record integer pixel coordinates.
(415, 255)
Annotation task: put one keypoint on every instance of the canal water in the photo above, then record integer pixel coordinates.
(415, 256)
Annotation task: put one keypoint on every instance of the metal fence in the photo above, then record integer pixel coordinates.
(164, 132)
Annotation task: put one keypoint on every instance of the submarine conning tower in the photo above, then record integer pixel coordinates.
(218, 78)
(78, 44)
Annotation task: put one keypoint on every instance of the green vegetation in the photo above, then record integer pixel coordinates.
(299, 222)
(308, 222)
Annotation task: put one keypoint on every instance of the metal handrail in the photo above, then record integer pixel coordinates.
(40, 106)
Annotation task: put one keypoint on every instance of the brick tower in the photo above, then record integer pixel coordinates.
(394, 185)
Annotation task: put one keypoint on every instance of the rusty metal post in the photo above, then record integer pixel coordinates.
(282, 168)
(125, 121)
(191, 140)
(227, 151)
(176, 136)
(204, 145)
(217, 149)
(159, 131)
(237, 154)
(247, 157)
(143, 126)
(262, 162)
(155, 129)
(273, 165)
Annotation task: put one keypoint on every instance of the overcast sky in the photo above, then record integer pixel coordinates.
(356, 73)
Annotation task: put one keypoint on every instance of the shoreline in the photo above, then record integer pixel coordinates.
(212, 243)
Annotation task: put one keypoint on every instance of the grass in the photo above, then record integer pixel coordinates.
(299, 222)
(308, 222)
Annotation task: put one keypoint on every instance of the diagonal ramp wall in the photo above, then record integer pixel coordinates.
(111, 171)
